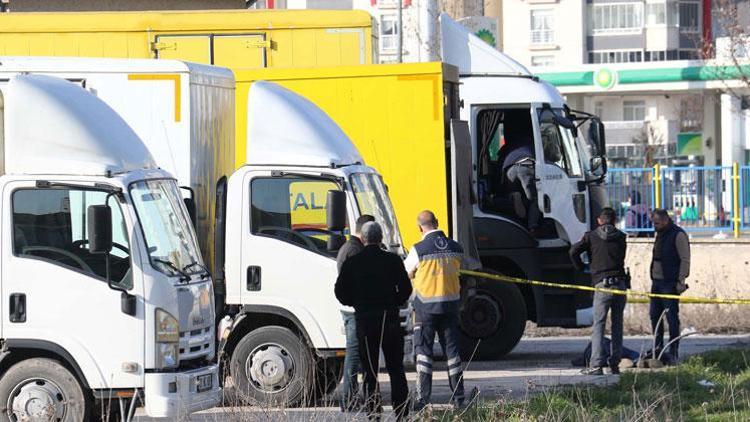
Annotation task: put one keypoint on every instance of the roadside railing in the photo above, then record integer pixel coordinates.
(707, 199)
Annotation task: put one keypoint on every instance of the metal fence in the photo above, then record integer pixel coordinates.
(709, 199)
(744, 195)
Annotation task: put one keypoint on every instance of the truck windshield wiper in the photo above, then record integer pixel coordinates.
(171, 266)
(204, 271)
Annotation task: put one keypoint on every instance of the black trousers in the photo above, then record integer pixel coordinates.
(378, 331)
(672, 307)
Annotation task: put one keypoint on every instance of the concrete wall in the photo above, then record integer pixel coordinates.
(119, 5)
(720, 269)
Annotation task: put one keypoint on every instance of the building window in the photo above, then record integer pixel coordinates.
(634, 111)
(689, 17)
(656, 14)
(542, 26)
(616, 18)
(599, 109)
(388, 33)
(689, 55)
(539, 61)
(617, 56)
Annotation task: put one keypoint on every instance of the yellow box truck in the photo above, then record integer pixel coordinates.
(229, 38)
(392, 112)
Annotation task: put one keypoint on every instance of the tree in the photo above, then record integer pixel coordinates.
(650, 139)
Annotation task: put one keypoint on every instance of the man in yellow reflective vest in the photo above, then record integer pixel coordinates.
(434, 264)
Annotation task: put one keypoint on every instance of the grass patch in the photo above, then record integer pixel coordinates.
(673, 394)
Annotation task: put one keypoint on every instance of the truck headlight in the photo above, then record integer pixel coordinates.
(167, 355)
(167, 327)
(167, 339)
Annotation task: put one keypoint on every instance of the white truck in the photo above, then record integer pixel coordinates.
(500, 97)
(102, 282)
(269, 229)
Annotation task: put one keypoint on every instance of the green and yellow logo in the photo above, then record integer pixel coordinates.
(605, 78)
(486, 36)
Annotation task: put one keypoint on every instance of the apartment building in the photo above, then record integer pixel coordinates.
(542, 33)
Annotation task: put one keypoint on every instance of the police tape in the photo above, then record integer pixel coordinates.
(637, 297)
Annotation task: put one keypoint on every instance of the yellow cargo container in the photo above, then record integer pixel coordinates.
(229, 38)
(397, 116)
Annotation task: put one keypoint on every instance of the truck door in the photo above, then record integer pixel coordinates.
(561, 187)
(285, 261)
(192, 48)
(247, 51)
(462, 197)
(56, 290)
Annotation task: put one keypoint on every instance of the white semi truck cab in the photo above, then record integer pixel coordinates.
(502, 101)
(105, 298)
(287, 210)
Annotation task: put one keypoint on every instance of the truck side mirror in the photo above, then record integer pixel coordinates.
(598, 166)
(335, 242)
(190, 204)
(99, 228)
(336, 210)
(597, 135)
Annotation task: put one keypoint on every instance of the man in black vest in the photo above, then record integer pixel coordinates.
(606, 247)
(670, 266)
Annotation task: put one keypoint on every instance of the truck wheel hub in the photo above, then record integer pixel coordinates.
(36, 400)
(481, 316)
(270, 367)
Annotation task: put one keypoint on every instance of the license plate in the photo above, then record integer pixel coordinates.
(205, 382)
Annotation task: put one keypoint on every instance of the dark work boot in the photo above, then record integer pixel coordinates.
(592, 371)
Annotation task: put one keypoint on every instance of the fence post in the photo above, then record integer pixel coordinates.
(736, 199)
(657, 186)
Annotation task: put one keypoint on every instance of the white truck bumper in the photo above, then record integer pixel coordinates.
(171, 395)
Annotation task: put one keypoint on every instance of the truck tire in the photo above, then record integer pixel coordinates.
(42, 389)
(496, 314)
(272, 366)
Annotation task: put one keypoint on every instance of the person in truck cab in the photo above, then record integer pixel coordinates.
(517, 158)
(375, 283)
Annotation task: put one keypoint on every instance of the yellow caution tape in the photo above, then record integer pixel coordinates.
(636, 295)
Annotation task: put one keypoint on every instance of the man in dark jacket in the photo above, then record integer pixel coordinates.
(606, 247)
(350, 387)
(375, 283)
(670, 267)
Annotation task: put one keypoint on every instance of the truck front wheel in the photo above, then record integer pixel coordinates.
(493, 318)
(272, 366)
(41, 389)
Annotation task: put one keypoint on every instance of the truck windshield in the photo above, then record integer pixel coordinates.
(559, 144)
(372, 198)
(170, 239)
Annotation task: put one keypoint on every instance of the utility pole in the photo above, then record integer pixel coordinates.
(400, 24)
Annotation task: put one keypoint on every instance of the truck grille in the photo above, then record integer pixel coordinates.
(196, 343)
